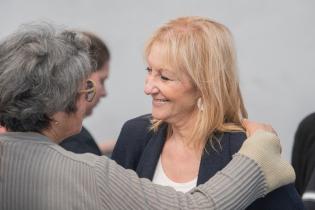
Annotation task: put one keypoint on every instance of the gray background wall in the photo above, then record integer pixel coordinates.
(274, 40)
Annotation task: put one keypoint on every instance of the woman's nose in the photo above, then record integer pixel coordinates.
(150, 86)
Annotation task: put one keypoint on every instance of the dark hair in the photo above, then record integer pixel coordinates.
(41, 72)
(99, 53)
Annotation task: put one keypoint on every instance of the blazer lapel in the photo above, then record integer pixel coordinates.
(213, 161)
(151, 153)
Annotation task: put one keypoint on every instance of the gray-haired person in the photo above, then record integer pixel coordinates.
(84, 142)
(44, 92)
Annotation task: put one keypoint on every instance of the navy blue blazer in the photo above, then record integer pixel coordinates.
(139, 149)
(82, 142)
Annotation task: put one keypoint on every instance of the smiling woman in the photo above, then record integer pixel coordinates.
(173, 95)
(197, 108)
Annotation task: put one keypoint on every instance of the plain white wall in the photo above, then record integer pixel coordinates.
(274, 40)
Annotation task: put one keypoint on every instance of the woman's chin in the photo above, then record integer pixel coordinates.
(159, 116)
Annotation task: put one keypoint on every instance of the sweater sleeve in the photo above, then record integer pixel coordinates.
(235, 187)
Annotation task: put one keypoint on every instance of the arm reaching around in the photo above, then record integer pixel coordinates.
(252, 173)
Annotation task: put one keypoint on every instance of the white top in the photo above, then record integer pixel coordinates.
(308, 196)
(161, 179)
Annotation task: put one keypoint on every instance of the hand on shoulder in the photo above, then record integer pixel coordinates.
(251, 127)
(263, 146)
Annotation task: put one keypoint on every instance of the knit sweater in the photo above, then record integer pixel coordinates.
(36, 173)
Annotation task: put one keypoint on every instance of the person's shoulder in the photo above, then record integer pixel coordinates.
(87, 159)
(140, 121)
(82, 142)
(308, 121)
(305, 128)
(82, 136)
(233, 140)
(133, 137)
(234, 136)
(310, 117)
(136, 128)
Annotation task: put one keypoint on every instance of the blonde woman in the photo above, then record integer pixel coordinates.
(197, 107)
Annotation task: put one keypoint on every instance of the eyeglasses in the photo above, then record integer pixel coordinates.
(90, 90)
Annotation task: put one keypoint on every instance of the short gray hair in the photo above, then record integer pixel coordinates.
(41, 72)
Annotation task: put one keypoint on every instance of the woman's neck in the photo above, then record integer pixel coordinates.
(52, 134)
(182, 129)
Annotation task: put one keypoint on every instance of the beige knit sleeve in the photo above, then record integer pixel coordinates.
(235, 187)
(264, 147)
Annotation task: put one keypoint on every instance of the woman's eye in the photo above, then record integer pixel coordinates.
(149, 70)
(164, 78)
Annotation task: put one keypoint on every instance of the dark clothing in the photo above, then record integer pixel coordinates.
(309, 194)
(139, 149)
(83, 142)
(303, 157)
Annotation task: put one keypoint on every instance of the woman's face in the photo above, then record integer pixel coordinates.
(173, 96)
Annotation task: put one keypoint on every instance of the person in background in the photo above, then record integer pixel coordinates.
(44, 93)
(84, 141)
(197, 108)
(303, 160)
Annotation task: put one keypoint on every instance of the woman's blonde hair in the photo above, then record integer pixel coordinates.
(204, 50)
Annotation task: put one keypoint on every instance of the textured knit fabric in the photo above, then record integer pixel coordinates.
(303, 153)
(139, 149)
(80, 143)
(37, 174)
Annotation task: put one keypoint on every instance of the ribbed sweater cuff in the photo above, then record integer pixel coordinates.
(242, 180)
